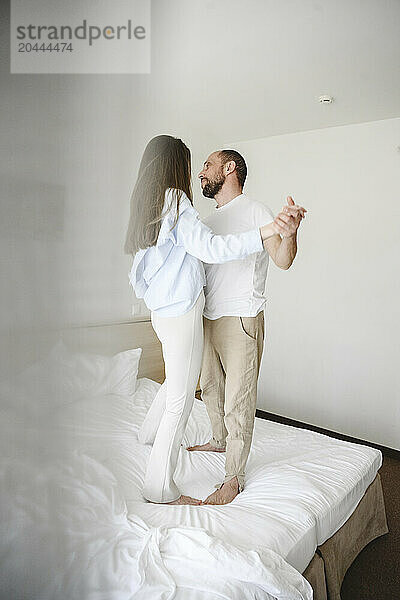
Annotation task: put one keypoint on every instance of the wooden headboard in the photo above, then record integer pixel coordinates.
(109, 339)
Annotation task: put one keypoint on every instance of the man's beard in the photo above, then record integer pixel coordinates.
(213, 186)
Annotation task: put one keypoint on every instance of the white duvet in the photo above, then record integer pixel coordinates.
(74, 524)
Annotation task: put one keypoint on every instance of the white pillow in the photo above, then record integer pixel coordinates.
(84, 373)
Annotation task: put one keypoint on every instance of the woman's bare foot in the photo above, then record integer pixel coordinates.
(225, 494)
(205, 448)
(185, 500)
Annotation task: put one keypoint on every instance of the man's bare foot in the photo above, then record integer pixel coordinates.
(185, 500)
(226, 493)
(205, 448)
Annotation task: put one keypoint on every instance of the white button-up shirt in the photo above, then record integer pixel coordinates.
(170, 275)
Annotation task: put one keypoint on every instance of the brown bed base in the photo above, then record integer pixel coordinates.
(327, 568)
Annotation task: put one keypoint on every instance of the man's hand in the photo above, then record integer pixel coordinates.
(287, 222)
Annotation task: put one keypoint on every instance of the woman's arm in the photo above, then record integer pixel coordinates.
(200, 241)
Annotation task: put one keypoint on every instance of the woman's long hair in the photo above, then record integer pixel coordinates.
(166, 163)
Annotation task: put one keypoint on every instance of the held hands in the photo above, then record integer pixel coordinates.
(286, 223)
(288, 220)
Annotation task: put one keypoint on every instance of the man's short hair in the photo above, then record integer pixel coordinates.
(241, 167)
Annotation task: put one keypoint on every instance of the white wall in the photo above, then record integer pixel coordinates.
(332, 352)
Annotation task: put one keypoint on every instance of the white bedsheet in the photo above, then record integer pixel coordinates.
(301, 486)
(80, 519)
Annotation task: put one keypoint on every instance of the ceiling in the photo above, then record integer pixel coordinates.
(232, 70)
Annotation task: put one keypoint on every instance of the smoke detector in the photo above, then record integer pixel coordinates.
(325, 99)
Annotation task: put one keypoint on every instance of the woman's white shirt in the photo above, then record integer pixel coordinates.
(170, 275)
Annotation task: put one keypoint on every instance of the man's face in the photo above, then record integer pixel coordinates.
(212, 176)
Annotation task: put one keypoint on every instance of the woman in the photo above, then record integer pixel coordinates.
(169, 243)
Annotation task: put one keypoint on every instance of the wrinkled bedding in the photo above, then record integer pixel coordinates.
(75, 525)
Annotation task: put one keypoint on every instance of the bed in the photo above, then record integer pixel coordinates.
(75, 525)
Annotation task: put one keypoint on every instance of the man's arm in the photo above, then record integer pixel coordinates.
(282, 247)
(282, 250)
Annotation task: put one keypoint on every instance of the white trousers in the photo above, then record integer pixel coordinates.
(165, 423)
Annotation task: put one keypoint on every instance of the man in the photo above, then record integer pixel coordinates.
(234, 317)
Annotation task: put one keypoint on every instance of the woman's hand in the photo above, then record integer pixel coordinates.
(294, 209)
(268, 230)
(288, 220)
(286, 223)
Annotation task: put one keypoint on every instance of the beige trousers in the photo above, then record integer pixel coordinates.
(232, 354)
